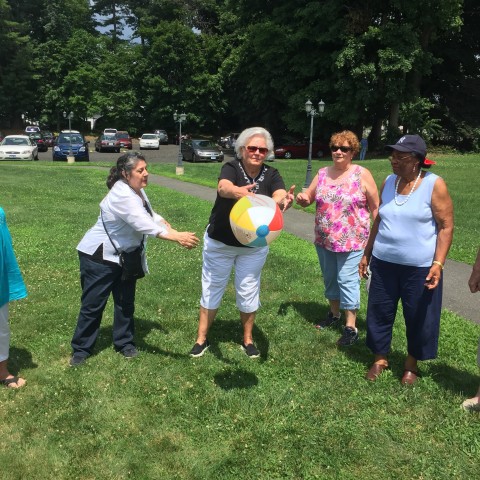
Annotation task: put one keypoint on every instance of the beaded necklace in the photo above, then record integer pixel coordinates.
(397, 183)
(258, 179)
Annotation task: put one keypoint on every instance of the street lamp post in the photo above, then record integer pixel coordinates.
(311, 112)
(180, 118)
(69, 116)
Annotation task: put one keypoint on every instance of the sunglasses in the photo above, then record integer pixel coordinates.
(343, 149)
(253, 149)
(399, 159)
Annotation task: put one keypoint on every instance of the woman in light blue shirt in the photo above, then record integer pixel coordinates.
(406, 251)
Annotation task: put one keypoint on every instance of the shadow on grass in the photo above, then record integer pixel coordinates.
(311, 312)
(453, 379)
(142, 329)
(19, 358)
(235, 378)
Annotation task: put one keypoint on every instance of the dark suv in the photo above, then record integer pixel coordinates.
(70, 139)
(40, 140)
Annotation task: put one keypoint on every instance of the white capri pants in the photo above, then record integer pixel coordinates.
(218, 261)
(4, 333)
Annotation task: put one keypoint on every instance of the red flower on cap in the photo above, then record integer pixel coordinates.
(427, 161)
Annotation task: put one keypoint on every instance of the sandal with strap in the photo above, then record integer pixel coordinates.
(8, 381)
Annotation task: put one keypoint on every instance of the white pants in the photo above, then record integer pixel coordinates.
(4, 333)
(218, 261)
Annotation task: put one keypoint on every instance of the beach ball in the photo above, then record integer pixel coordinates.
(256, 220)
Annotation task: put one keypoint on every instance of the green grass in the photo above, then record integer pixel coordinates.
(303, 411)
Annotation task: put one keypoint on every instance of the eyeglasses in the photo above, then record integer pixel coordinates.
(343, 149)
(253, 149)
(399, 159)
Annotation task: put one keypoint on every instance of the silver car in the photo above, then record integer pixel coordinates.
(199, 150)
(162, 136)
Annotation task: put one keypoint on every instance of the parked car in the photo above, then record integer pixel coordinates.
(150, 141)
(40, 140)
(124, 140)
(70, 139)
(197, 150)
(300, 150)
(163, 136)
(110, 131)
(49, 138)
(31, 129)
(107, 143)
(18, 147)
(228, 141)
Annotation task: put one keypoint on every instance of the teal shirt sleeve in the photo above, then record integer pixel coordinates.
(12, 286)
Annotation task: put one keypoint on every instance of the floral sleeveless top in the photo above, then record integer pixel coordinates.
(342, 219)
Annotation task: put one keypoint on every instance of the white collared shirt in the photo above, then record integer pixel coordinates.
(127, 222)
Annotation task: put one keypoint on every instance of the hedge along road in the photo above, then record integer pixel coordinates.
(456, 294)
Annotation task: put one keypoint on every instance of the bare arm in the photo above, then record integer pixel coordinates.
(304, 199)
(442, 209)
(185, 239)
(283, 198)
(371, 192)
(474, 281)
(367, 254)
(227, 189)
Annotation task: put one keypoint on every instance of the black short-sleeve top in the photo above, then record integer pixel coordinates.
(268, 181)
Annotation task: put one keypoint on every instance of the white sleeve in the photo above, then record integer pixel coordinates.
(123, 201)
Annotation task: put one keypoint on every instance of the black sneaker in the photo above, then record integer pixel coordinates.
(250, 350)
(129, 352)
(199, 349)
(77, 360)
(349, 337)
(330, 320)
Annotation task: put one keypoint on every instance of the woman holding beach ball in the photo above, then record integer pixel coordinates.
(247, 175)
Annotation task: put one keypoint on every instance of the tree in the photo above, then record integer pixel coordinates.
(112, 14)
(17, 85)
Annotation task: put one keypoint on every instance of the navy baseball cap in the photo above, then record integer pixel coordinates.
(410, 144)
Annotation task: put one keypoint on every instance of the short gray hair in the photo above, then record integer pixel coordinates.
(247, 134)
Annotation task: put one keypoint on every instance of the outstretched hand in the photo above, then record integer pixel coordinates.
(289, 197)
(187, 239)
(303, 199)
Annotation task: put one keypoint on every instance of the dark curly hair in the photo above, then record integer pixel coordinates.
(125, 164)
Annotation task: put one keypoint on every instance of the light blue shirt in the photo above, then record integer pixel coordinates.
(407, 234)
(11, 281)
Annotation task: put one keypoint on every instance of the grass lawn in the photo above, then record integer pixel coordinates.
(301, 411)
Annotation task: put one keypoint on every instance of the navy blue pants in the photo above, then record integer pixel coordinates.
(98, 280)
(421, 308)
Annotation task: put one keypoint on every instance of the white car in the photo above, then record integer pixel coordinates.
(110, 131)
(149, 140)
(18, 147)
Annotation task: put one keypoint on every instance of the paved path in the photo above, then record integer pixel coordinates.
(456, 295)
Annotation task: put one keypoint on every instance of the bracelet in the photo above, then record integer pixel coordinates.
(440, 264)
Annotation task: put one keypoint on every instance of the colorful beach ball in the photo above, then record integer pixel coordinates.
(256, 220)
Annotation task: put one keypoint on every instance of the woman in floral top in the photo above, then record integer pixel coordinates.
(346, 196)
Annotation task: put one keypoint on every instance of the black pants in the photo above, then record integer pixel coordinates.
(98, 281)
(421, 309)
